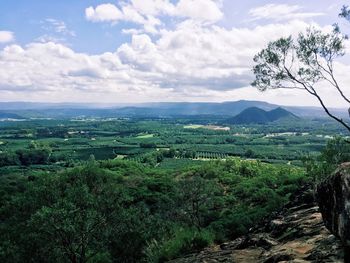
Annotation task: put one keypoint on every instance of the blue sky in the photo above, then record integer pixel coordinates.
(26, 18)
(147, 50)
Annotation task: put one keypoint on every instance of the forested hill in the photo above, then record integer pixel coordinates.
(7, 115)
(255, 115)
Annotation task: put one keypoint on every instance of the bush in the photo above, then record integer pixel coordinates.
(183, 241)
(33, 156)
(336, 152)
(8, 158)
(137, 213)
(148, 145)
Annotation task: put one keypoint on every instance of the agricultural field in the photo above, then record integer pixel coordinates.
(159, 143)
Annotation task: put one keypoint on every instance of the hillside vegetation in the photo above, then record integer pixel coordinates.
(254, 115)
(8, 115)
(147, 190)
(118, 211)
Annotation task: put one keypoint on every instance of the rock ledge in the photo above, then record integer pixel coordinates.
(296, 234)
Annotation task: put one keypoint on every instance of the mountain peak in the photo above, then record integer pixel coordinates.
(259, 116)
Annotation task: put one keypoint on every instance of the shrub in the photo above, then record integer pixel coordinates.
(184, 240)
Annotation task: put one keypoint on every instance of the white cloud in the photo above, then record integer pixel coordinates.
(55, 72)
(203, 10)
(147, 12)
(6, 36)
(153, 7)
(49, 38)
(201, 57)
(191, 60)
(58, 26)
(104, 12)
(55, 31)
(111, 13)
(281, 12)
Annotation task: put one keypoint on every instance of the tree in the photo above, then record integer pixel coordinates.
(249, 153)
(74, 216)
(8, 158)
(337, 151)
(198, 198)
(302, 63)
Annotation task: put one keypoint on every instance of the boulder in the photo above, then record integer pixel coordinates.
(333, 197)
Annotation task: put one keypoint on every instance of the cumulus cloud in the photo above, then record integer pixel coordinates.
(6, 36)
(203, 10)
(104, 12)
(197, 56)
(52, 66)
(281, 12)
(111, 13)
(147, 12)
(191, 60)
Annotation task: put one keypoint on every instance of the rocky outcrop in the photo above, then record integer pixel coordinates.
(333, 196)
(296, 234)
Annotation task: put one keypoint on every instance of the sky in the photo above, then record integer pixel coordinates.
(132, 51)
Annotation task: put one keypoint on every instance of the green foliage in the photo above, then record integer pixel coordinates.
(289, 63)
(183, 241)
(302, 63)
(336, 152)
(148, 145)
(345, 12)
(280, 142)
(135, 204)
(8, 158)
(75, 216)
(33, 156)
(198, 197)
(121, 211)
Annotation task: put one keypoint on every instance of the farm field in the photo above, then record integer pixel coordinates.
(162, 143)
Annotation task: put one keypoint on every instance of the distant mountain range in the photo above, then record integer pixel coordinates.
(254, 115)
(161, 109)
(9, 115)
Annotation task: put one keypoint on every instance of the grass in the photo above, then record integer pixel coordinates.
(193, 126)
(209, 127)
(144, 136)
(120, 156)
